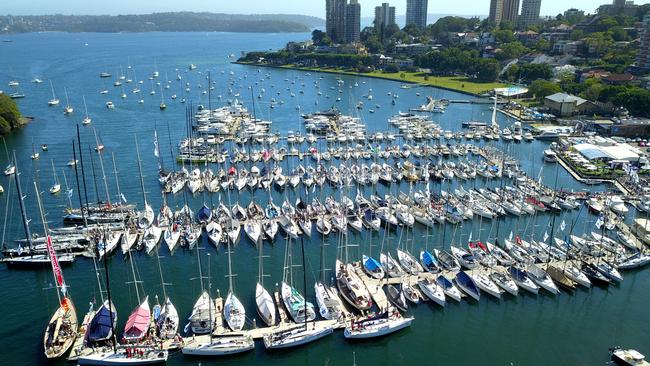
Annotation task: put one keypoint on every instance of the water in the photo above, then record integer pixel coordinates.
(528, 330)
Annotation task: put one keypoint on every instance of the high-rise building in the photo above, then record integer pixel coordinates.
(384, 16)
(529, 12)
(352, 22)
(643, 54)
(335, 20)
(501, 10)
(510, 10)
(416, 12)
(496, 11)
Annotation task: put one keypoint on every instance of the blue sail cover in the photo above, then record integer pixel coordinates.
(204, 214)
(100, 327)
(371, 264)
(428, 259)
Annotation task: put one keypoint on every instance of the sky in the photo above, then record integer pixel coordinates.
(306, 7)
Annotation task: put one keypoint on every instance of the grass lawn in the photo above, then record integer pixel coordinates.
(457, 83)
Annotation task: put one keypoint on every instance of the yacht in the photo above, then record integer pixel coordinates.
(550, 156)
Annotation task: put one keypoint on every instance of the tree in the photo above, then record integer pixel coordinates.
(532, 72)
(542, 88)
(503, 36)
(9, 111)
(392, 69)
(618, 34)
(320, 38)
(487, 69)
(542, 45)
(511, 50)
(412, 30)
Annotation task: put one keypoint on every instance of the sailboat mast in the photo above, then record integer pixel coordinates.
(117, 182)
(229, 269)
(137, 151)
(92, 169)
(23, 212)
(135, 281)
(110, 302)
(56, 271)
(83, 174)
(76, 174)
(304, 278)
(101, 165)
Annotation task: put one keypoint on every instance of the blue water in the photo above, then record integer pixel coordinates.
(541, 330)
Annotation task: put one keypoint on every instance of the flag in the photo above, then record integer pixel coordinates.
(545, 236)
(156, 153)
(123, 198)
(562, 226)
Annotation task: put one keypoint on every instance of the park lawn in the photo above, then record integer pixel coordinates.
(458, 83)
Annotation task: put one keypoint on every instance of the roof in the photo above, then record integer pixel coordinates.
(591, 152)
(565, 98)
(619, 77)
(613, 152)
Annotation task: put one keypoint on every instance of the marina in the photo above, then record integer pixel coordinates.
(176, 198)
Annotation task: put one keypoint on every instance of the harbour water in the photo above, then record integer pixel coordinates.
(574, 329)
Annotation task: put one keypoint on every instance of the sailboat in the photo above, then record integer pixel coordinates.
(54, 101)
(298, 335)
(68, 108)
(376, 325)
(167, 317)
(233, 310)
(87, 120)
(10, 168)
(263, 299)
(207, 345)
(102, 324)
(61, 330)
(163, 106)
(56, 188)
(329, 303)
(201, 321)
(137, 325)
(35, 154)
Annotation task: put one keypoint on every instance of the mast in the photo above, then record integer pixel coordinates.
(23, 211)
(101, 164)
(92, 169)
(110, 302)
(76, 174)
(304, 278)
(56, 270)
(81, 161)
(117, 183)
(137, 151)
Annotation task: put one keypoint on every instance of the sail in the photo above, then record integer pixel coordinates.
(138, 321)
(100, 327)
(56, 269)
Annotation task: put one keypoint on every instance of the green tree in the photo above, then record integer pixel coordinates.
(9, 111)
(577, 34)
(532, 72)
(511, 50)
(5, 128)
(543, 88)
(320, 38)
(503, 35)
(487, 69)
(618, 34)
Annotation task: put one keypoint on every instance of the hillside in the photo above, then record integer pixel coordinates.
(161, 22)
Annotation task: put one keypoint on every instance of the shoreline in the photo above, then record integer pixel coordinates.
(368, 75)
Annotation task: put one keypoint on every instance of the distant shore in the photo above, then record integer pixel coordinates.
(459, 84)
